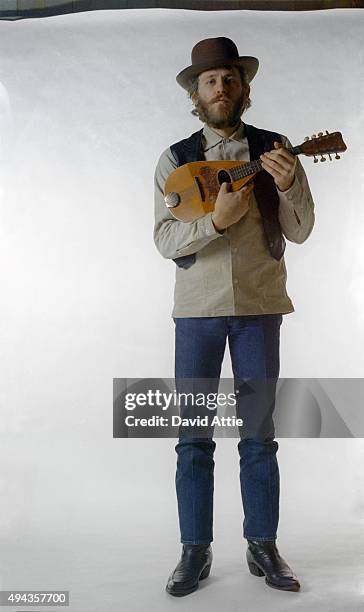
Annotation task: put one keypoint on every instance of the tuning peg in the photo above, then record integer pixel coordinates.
(313, 136)
(307, 138)
(337, 156)
(327, 132)
(315, 160)
(323, 158)
(320, 134)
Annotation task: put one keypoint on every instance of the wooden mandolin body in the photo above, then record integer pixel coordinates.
(197, 185)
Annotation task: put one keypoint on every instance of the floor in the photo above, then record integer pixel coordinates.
(103, 525)
(107, 574)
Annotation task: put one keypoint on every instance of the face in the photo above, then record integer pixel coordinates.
(221, 97)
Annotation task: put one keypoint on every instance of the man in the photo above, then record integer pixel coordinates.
(231, 283)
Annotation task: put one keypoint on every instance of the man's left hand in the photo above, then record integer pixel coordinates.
(281, 165)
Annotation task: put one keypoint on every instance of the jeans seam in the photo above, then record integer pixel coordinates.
(269, 480)
(196, 541)
(193, 499)
(260, 539)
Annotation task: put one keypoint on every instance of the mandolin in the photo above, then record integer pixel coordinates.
(191, 190)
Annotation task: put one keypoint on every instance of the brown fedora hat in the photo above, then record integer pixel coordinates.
(212, 53)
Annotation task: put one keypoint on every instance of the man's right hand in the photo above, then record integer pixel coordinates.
(230, 206)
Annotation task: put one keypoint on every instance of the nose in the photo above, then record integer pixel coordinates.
(220, 85)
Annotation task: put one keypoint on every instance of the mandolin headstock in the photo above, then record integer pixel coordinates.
(323, 144)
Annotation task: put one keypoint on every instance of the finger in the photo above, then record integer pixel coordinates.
(288, 163)
(283, 169)
(282, 153)
(279, 149)
(286, 155)
(275, 173)
(246, 188)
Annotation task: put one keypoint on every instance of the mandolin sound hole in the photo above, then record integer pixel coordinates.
(223, 177)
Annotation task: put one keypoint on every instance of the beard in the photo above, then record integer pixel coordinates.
(220, 115)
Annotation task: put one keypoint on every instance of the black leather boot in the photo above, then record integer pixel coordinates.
(264, 560)
(194, 565)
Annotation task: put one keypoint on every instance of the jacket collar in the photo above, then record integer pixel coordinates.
(212, 138)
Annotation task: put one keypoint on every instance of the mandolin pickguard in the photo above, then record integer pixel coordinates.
(211, 182)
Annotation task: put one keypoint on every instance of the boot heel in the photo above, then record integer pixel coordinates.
(205, 572)
(254, 569)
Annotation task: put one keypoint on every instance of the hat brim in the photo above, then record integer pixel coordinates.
(251, 65)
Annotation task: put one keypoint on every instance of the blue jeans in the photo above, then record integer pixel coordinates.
(254, 349)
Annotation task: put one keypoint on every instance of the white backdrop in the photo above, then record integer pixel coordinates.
(87, 103)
